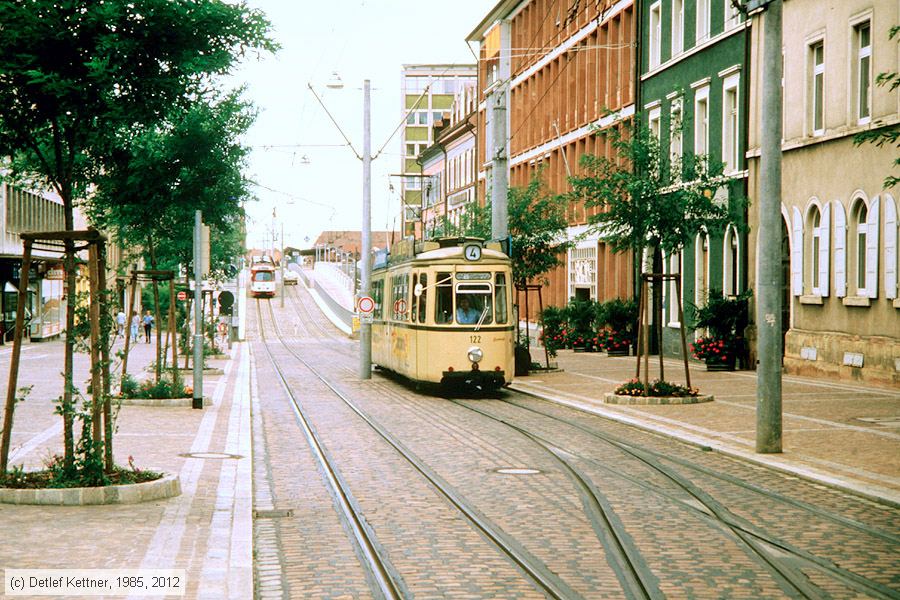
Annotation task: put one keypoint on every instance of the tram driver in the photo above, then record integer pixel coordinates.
(466, 314)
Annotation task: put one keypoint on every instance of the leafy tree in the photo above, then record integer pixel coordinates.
(474, 221)
(890, 134)
(80, 76)
(651, 200)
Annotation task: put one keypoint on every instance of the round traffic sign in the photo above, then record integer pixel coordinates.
(182, 295)
(400, 306)
(366, 304)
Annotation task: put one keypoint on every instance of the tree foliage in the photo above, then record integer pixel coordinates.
(152, 186)
(889, 135)
(650, 200)
(537, 225)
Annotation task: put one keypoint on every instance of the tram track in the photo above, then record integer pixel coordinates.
(541, 577)
(755, 540)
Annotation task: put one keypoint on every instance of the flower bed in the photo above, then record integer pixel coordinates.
(658, 392)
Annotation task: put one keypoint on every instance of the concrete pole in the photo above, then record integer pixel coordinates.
(768, 265)
(499, 140)
(197, 401)
(365, 330)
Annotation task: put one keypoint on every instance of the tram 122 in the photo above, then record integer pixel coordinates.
(262, 280)
(443, 313)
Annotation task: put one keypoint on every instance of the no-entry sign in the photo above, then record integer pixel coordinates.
(182, 295)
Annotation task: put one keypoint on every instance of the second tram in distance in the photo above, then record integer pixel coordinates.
(262, 280)
(443, 313)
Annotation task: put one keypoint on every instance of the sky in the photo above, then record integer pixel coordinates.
(358, 39)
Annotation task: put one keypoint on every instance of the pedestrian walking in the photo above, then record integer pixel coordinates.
(120, 323)
(148, 325)
(135, 322)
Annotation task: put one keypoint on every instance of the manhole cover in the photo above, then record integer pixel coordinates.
(273, 514)
(210, 455)
(517, 471)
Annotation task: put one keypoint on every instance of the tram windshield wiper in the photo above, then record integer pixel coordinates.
(483, 315)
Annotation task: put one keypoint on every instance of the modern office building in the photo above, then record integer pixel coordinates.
(428, 93)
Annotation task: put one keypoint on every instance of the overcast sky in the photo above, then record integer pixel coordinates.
(358, 39)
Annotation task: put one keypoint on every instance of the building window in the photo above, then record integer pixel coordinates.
(863, 68)
(701, 121)
(655, 34)
(702, 20)
(677, 26)
(731, 261)
(653, 122)
(817, 88)
(732, 15)
(858, 238)
(675, 137)
(413, 183)
(673, 267)
(814, 226)
(701, 268)
(730, 129)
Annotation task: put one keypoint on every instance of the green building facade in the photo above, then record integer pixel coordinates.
(693, 96)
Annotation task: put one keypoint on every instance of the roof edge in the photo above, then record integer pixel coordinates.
(501, 9)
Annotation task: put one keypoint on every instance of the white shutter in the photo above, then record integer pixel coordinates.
(872, 250)
(824, 250)
(840, 250)
(797, 254)
(890, 247)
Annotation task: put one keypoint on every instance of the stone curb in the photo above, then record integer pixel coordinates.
(167, 486)
(163, 402)
(611, 398)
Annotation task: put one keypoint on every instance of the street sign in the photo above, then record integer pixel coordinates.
(366, 318)
(226, 299)
(182, 295)
(365, 304)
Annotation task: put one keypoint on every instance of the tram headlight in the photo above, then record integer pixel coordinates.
(475, 354)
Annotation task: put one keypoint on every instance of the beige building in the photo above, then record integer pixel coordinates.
(839, 250)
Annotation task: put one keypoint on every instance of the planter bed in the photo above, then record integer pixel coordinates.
(174, 402)
(611, 398)
(168, 486)
(206, 371)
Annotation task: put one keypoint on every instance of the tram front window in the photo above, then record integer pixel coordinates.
(473, 308)
(264, 276)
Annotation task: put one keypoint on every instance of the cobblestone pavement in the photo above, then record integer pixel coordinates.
(699, 524)
(206, 530)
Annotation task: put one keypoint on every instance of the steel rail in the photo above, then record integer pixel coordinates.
(538, 572)
(376, 564)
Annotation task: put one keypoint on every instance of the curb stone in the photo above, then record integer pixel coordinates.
(167, 486)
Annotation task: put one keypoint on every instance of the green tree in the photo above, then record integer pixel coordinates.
(648, 200)
(890, 134)
(79, 76)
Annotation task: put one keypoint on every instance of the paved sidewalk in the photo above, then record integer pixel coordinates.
(840, 434)
(207, 530)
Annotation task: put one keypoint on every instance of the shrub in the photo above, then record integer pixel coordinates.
(659, 388)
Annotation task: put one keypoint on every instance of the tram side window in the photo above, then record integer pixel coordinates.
(500, 297)
(423, 280)
(400, 296)
(378, 298)
(415, 299)
(443, 299)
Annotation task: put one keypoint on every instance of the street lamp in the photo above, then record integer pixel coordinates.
(365, 329)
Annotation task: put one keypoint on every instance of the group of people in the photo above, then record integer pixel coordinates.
(136, 321)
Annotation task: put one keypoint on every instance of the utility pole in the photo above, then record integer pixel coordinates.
(768, 278)
(365, 329)
(197, 401)
(499, 146)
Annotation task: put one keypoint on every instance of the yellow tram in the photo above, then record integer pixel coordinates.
(443, 313)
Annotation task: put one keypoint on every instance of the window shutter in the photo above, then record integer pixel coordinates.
(797, 254)
(890, 247)
(872, 250)
(824, 250)
(840, 250)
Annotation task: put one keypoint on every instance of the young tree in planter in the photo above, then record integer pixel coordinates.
(80, 76)
(650, 201)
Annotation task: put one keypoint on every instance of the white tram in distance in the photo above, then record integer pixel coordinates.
(262, 280)
(443, 313)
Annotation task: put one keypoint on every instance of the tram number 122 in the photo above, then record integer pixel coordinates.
(475, 339)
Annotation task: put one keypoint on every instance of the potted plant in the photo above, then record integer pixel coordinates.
(580, 318)
(617, 319)
(553, 329)
(724, 318)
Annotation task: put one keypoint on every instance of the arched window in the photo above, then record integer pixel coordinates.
(858, 241)
(701, 268)
(731, 259)
(816, 239)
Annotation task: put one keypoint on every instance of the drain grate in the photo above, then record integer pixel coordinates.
(886, 421)
(220, 455)
(516, 471)
(276, 513)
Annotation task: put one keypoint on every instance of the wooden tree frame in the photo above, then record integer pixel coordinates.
(95, 244)
(155, 276)
(643, 342)
(527, 289)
